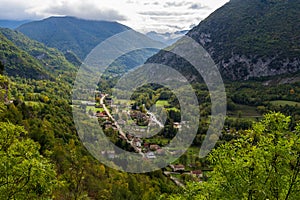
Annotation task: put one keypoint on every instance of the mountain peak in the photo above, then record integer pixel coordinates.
(71, 33)
(250, 38)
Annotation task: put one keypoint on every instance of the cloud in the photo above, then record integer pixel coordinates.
(175, 4)
(15, 10)
(198, 7)
(86, 10)
(164, 13)
(142, 15)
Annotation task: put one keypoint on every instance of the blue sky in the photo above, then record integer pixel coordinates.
(142, 15)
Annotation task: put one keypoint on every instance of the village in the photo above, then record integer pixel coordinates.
(133, 135)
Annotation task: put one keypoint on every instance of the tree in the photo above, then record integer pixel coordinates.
(1, 68)
(24, 173)
(263, 163)
(76, 173)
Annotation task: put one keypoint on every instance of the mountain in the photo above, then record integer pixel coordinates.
(166, 38)
(31, 55)
(248, 39)
(12, 24)
(71, 34)
(18, 62)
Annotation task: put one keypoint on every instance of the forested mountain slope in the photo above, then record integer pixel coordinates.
(248, 38)
(71, 34)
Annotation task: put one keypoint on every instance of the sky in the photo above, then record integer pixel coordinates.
(142, 15)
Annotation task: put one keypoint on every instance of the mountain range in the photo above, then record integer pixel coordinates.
(247, 39)
(166, 38)
(12, 24)
(76, 38)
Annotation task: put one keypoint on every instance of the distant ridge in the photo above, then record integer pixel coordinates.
(12, 24)
(71, 34)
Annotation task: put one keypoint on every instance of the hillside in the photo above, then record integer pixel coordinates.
(40, 61)
(18, 62)
(248, 39)
(71, 34)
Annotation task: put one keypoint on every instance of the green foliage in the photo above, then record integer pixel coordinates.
(18, 62)
(43, 108)
(252, 30)
(24, 173)
(263, 163)
(4, 88)
(51, 60)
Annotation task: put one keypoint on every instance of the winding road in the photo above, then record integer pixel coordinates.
(121, 132)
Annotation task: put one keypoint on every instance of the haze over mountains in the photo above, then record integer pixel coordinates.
(12, 24)
(166, 38)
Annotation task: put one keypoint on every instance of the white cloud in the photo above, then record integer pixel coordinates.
(142, 15)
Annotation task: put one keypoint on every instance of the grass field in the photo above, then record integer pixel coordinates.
(244, 111)
(283, 103)
(94, 109)
(162, 103)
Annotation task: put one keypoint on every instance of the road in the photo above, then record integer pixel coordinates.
(153, 118)
(121, 132)
(175, 180)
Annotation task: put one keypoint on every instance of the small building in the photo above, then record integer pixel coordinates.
(177, 125)
(101, 115)
(138, 144)
(154, 147)
(177, 168)
(197, 173)
(88, 103)
(150, 155)
(109, 101)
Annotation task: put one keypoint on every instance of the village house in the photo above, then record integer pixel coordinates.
(177, 168)
(197, 173)
(150, 155)
(101, 114)
(138, 144)
(177, 125)
(109, 100)
(154, 147)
